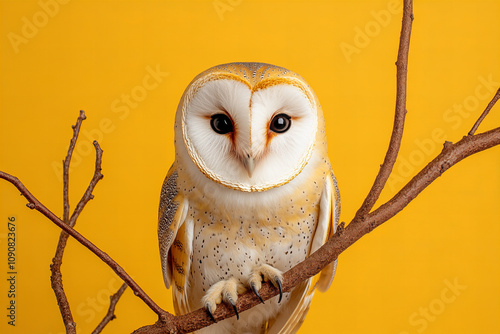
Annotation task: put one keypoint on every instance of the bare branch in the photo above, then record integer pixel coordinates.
(113, 300)
(56, 276)
(485, 112)
(87, 196)
(363, 222)
(66, 162)
(399, 117)
(34, 203)
(340, 241)
(353, 232)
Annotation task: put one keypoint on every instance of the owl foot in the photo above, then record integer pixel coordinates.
(267, 273)
(226, 291)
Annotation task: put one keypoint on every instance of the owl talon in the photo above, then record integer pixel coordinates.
(234, 308)
(280, 288)
(207, 307)
(223, 291)
(267, 273)
(254, 289)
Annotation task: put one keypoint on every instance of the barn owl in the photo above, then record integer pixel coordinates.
(251, 193)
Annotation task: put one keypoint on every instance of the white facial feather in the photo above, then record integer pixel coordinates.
(215, 150)
(278, 157)
(283, 152)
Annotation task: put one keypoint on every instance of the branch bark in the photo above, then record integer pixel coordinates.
(55, 267)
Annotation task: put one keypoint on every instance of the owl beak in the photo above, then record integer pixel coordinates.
(249, 164)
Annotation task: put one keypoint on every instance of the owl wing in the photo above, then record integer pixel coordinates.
(174, 238)
(290, 320)
(329, 213)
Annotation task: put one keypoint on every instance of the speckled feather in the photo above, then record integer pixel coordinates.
(210, 232)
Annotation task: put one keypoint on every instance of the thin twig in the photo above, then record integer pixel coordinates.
(66, 163)
(399, 117)
(56, 276)
(485, 112)
(87, 196)
(34, 203)
(111, 310)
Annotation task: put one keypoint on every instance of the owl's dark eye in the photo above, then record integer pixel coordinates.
(280, 123)
(221, 123)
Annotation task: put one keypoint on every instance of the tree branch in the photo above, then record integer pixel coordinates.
(345, 237)
(363, 222)
(113, 300)
(34, 203)
(87, 196)
(56, 276)
(400, 114)
(66, 163)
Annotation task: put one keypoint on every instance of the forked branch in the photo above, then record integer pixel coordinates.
(55, 267)
(364, 221)
(399, 115)
(345, 237)
(34, 203)
(56, 277)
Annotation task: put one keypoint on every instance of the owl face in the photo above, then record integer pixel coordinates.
(249, 126)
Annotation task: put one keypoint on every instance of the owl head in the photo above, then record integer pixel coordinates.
(248, 126)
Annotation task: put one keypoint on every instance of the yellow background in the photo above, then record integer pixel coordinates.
(88, 54)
